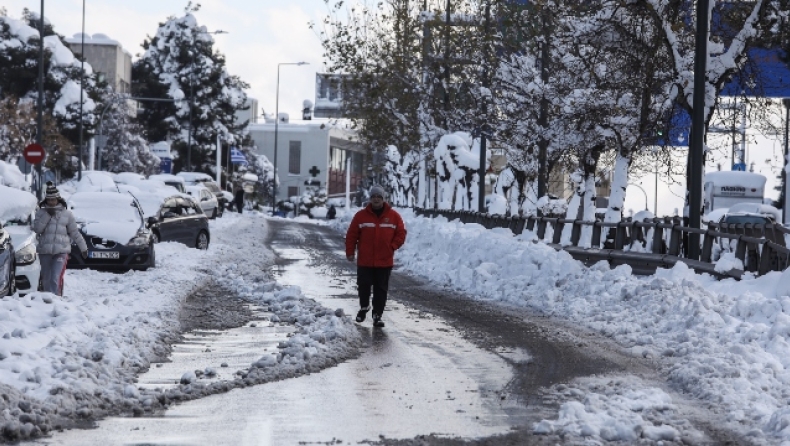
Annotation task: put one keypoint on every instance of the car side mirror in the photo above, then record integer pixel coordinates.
(152, 221)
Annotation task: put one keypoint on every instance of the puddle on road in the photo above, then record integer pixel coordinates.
(203, 350)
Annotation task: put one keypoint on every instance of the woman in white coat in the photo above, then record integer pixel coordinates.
(56, 229)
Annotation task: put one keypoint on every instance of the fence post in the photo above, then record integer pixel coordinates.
(596, 235)
(557, 231)
(541, 228)
(707, 246)
(576, 232)
(658, 239)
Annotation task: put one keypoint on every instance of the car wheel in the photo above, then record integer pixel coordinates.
(202, 240)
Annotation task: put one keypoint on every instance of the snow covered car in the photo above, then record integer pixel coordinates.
(206, 200)
(114, 229)
(16, 216)
(204, 179)
(175, 218)
(170, 180)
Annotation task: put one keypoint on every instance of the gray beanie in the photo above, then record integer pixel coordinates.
(378, 190)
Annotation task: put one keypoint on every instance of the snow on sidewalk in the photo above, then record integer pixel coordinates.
(75, 357)
(726, 343)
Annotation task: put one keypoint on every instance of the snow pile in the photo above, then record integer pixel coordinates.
(76, 357)
(612, 410)
(16, 204)
(725, 342)
(10, 175)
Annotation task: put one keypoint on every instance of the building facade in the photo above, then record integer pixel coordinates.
(310, 153)
(108, 59)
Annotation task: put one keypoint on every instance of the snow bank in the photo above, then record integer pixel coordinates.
(15, 204)
(725, 342)
(76, 357)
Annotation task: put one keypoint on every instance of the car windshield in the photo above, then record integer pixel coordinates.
(742, 219)
(212, 187)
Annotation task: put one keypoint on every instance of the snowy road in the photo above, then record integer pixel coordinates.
(446, 369)
(416, 377)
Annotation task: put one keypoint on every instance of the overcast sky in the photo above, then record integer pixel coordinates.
(261, 33)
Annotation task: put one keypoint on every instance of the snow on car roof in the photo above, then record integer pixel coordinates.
(194, 176)
(127, 177)
(166, 177)
(16, 204)
(151, 201)
(736, 178)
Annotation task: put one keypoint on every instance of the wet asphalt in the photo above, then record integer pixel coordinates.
(446, 370)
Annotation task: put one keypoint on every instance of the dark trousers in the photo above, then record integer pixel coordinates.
(239, 206)
(377, 278)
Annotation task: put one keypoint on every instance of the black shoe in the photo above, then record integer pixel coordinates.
(362, 313)
(377, 322)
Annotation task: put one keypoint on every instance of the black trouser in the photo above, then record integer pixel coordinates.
(378, 279)
(239, 206)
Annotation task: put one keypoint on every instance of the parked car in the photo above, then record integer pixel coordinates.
(170, 180)
(206, 200)
(114, 229)
(175, 218)
(7, 265)
(200, 178)
(16, 216)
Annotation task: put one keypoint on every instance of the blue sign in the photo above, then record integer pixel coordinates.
(166, 165)
(740, 167)
(765, 74)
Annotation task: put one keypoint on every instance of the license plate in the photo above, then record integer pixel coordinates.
(105, 255)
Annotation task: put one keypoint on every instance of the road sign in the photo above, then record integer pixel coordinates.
(34, 153)
(739, 167)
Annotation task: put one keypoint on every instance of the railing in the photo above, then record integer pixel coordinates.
(650, 244)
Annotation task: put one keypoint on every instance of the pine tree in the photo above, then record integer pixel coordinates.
(125, 150)
(180, 62)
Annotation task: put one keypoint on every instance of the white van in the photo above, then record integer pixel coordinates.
(725, 189)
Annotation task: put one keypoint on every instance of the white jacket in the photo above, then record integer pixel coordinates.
(57, 231)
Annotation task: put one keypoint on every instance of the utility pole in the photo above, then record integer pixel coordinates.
(543, 119)
(481, 202)
(696, 146)
(40, 103)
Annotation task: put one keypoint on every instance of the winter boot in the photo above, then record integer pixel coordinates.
(377, 322)
(362, 313)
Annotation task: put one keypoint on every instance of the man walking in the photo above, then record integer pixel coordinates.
(56, 228)
(375, 233)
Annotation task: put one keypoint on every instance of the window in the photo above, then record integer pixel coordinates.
(293, 191)
(295, 157)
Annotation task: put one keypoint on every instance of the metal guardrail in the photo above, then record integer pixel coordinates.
(649, 244)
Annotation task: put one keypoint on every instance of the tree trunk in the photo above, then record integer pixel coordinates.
(614, 213)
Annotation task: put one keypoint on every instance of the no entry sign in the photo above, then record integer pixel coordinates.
(34, 153)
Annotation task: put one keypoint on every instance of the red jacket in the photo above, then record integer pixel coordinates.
(376, 238)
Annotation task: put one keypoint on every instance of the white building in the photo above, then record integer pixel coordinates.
(108, 59)
(310, 152)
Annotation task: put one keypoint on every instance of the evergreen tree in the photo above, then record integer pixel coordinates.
(180, 62)
(19, 77)
(125, 150)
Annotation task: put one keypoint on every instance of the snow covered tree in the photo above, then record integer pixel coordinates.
(180, 62)
(19, 43)
(125, 149)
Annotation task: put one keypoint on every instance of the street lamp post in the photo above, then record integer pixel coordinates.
(785, 211)
(191, 94)
(277, 126)
(82, 101)
(40, 102)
